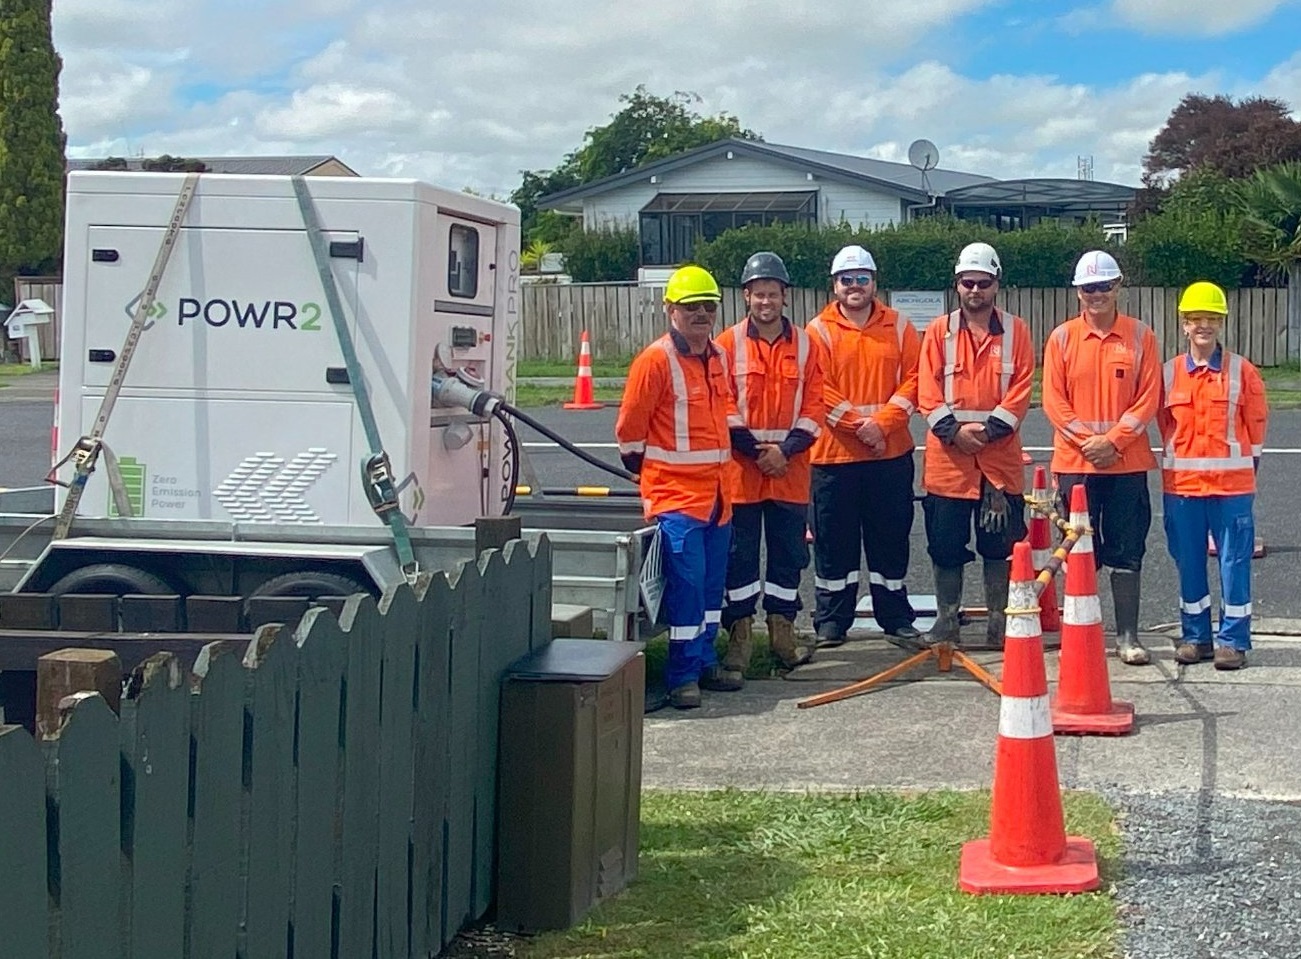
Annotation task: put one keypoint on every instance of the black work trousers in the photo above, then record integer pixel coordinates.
(780, 527)
(949, 522)
(865, 506)
(1120, 512)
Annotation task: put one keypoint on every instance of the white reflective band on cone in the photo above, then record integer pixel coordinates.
(1040, 558)
(1081, 610)
(1025, 717)
(1023, 626)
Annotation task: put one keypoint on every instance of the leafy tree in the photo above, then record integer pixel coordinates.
(32, 142)
(647, 128)
(651, 128)
(1233, 138)
(1271, 207)
(112, 163)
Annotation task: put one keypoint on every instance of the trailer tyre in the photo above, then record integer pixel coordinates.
(114, 578)
(310, 584)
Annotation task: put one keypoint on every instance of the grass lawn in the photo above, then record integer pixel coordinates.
(750, 875)
(14, 370)
(527, 395)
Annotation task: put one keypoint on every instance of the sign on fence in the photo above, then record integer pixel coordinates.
(919, 307)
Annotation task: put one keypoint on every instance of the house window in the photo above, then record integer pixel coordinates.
(672, 223)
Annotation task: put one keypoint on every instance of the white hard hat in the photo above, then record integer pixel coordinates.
(852, 258)
(979, 257)
(1096, 266)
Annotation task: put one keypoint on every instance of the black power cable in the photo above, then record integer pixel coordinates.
(552, 435)
(512, 438)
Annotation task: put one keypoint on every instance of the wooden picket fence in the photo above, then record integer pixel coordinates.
(326, 791)
(621, 319)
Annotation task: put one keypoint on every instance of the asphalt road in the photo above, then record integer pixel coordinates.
(24, 457)
(1278, 512)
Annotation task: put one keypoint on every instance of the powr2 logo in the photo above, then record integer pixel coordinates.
(270, 313)
(216, 312)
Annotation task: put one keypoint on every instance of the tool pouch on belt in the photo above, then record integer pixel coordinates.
(993, 507)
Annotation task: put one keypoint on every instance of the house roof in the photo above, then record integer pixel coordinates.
(279, 165)
(901, 179)
(1059, 193)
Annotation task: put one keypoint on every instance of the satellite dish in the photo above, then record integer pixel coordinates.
(924, 155)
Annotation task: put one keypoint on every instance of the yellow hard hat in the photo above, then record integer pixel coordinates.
(691, 284)
(1204, 297)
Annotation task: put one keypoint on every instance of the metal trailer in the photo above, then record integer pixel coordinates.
(597, 549)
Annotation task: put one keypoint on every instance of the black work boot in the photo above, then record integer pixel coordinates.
(996, 574)
(1125, 595)
(948, 604)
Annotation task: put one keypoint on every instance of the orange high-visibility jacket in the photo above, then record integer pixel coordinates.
(777, 393)
(1212, 421)
(869, 372)
(672, 429)
(974, 383)
(1096, 383)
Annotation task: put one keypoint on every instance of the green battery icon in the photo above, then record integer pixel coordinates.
(133, 478)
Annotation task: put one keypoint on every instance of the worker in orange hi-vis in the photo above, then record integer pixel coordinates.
(1101, 388)
(672, 431)
(862, 483)
(973, 388)
(1212, 419)
(776, 370)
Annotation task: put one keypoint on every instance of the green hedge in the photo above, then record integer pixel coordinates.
(1173, 248)
(601, 256)
(916, 256)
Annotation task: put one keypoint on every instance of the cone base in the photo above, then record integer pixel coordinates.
(1076, 871)
(1117, 721)
(583, 406)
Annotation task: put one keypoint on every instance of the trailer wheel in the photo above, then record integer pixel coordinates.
(116, 578)
(311, 584)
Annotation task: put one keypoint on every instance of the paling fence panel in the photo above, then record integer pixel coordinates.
(323, 791)
(621, 319)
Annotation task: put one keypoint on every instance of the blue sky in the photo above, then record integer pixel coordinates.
(466, 94)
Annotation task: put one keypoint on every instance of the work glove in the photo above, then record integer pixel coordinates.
(993, 507)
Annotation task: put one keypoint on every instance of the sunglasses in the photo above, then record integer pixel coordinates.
(975, 284)
(1106, 287)
(860, 279)
(705, 306)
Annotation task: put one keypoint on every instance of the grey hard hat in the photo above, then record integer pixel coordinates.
(765, 266)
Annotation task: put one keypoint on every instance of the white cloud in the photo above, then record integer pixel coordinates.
(1197, 17)
(469, 95)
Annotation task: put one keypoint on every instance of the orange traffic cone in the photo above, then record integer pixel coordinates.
(1028, 850)
(1041, 546)
(1083, 703)
(583, 381)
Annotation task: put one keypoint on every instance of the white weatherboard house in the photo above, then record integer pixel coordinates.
(701, 193)
(731, 183)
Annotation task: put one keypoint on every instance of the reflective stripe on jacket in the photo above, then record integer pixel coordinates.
(974, 383)
(674, 415)
(776, 388)
(1096, 383)
(868, 372)
(1212, 421)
